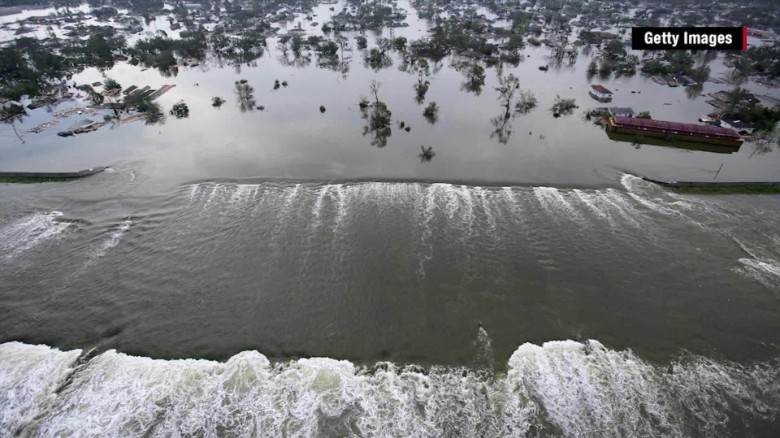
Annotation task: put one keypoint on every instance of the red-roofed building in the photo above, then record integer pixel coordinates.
(675, 130)
(600, 93)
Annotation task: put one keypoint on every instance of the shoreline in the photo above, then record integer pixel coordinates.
(719, 187)
(12, 177)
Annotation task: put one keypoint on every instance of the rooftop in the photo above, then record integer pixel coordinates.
(675, 127)
(600, 89)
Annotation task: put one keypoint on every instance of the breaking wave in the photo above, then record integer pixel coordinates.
(561, 388)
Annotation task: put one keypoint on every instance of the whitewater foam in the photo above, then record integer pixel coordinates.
(30, 231)
(564, 388)
(553, 202)
(242, 193)
(113, 239)
(29, 376)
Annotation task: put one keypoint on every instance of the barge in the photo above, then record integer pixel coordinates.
(638, 140)
(675, 131)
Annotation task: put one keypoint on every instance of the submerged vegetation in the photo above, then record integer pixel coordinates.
(431, 113)
(563, 107)
(378, 116)
(513, 101)
(245, 95)
(218, 33)
(180, 110)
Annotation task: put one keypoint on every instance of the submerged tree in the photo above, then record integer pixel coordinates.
(502, 123)
(525, 103)
(96, 98)
(137, 101)
(593, 68)
(475, 79)
(245, 95)
(377, 58)
(694, 91)
(420, 90)
(414, 64)
(154, 114)
(563, 107)
(10, 114)
(502, 128)
(217, 101)
(111, 89)
(427, 154)
(507, 87)
(431, 113)
(513, 101)
(111, 86)
(379, 117)
(180, 110)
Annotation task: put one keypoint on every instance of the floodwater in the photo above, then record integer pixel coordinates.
(272, 273)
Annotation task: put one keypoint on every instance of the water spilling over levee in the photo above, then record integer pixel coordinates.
(568, 260)
(561, 388)
(474, 218)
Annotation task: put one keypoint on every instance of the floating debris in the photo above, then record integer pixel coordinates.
(81, 127)
(59, 115)
(164, 89)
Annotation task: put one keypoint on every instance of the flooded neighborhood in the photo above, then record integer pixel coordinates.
(388, 218)
(120, 68)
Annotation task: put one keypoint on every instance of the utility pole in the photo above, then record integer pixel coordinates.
(716, 173)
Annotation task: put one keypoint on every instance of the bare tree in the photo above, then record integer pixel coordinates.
(375, 89)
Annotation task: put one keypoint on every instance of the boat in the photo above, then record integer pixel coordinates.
(669, 131)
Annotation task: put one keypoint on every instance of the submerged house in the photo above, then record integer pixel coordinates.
(600, 93)
(740, 126)
(621, 111)
(612, 111)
